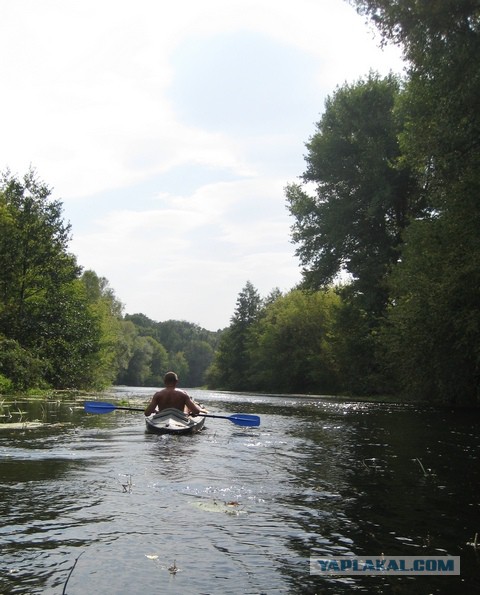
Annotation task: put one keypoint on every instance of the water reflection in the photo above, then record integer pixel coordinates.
(95, 501)
(398, 491)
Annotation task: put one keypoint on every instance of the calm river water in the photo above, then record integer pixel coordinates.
(93, 504)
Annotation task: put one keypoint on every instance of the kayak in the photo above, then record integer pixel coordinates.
(173, 421)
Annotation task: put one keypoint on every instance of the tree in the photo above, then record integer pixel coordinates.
(199, 355)
(434, 296)
(124, 349)
(19, 369)
(158, 363)
(364, 197)
(353, 226)
(441, 42)
(290, 344)
(138, 369)
(45, 314)
(189, 347)
(355, 348)
(34, 260)
(432, 335)
(178, 362)
(67, 336)
(106, 309)
(231, 367)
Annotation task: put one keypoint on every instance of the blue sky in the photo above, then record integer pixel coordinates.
(169, 131)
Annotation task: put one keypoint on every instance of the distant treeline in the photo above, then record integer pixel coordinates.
(175, 345)
(62, 327)
(389, 203)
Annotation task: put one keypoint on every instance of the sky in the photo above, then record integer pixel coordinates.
(169, 130)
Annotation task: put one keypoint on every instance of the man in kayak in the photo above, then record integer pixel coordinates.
(171, 396)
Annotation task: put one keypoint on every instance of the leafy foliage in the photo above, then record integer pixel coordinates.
(291, 348)
(231, 369)
(63, 328)
(50, 332)
(364, 196)
(388, 203)
(279, 344)
(172, 345)
(106, 310)
(433, 328)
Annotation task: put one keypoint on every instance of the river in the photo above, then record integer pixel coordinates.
(93, 504)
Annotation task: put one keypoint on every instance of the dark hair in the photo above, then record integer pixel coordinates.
(170, 378)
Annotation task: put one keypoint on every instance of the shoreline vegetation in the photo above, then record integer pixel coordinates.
(78, 396)
(391, 183)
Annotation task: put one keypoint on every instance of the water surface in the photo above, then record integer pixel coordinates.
(93, 504)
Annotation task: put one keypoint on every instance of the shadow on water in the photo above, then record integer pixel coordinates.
(386, 480)
(91, 503)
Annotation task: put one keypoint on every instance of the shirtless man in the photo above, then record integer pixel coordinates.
(171, 396)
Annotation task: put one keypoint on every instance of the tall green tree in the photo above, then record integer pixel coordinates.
(441, 42)
(45, 315)
(290, 344)
(106, 310)
(34, 258)
(352, 227)
(434, 317)
(231, 368)
(364, 194)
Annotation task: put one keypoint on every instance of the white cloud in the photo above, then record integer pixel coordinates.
(212, 241)
(169, 131)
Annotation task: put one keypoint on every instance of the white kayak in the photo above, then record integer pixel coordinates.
(174, 421)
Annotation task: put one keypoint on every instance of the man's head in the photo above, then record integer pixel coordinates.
(170, 379)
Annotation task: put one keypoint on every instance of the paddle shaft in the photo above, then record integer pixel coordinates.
(233, 417)
(239, 419)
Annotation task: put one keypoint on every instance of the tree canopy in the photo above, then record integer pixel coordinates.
(50, 333)
(364, 195)
(385, 221)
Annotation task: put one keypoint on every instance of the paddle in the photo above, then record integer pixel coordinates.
(240, 419)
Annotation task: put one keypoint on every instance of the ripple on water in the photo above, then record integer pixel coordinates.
(233, 510)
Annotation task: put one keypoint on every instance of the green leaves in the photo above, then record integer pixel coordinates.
(147, 349)
(52, 330)
(432, 331)
(232, 365)
(291, 348)
(282, 343)
(364, 195)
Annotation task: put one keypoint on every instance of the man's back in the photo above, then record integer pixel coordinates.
(170, 397)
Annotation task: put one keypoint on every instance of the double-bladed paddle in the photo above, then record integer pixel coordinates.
(240, 419)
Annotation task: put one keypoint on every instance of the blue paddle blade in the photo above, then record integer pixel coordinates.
(241, 419)
(244, 419)
(96, 407)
